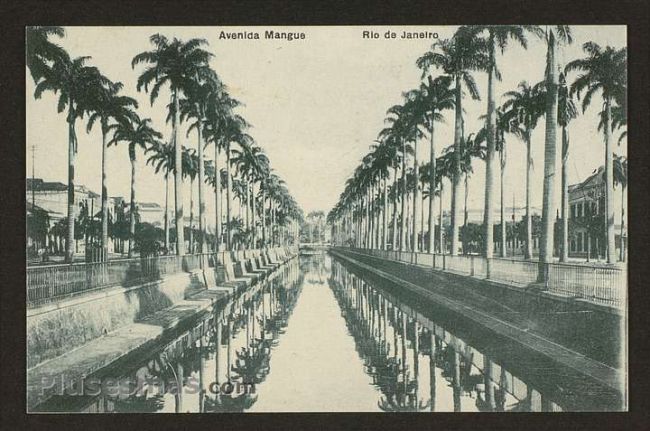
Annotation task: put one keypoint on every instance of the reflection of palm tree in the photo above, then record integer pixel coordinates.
(140, 403)
(223, 403)
(388, 373)
(252, 364)
(432, 373)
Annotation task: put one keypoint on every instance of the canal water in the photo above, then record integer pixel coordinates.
(319, 336)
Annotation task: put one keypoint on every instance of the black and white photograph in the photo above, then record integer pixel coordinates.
(358, 218)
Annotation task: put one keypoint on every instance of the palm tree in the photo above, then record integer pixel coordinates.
(498, 37)
(219, 108)
(191, 170)
(444, 169)
(108, 106)
(458, 57)
(620, 177)
(473, 147)
(384, 155)
(40, 53)
(250, 161)
(163, 158)
(503, 125)
(393, 152)
(566, 112)
(604, 71)
(135, 133)
(438, 97)
(523, 107)
(74, 83)
(404, 128)
(200, 95)
(260, 171)
(553, 36)
(232, 132)
(179, 64)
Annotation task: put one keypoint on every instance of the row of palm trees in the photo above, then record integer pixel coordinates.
(385, 178)
(200, 103)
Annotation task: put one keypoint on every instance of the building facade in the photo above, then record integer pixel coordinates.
(587, 224)
(52, 198)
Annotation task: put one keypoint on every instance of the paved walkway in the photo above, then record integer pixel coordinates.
(50, 376)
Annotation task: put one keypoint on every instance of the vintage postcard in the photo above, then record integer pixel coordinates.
(326, 219)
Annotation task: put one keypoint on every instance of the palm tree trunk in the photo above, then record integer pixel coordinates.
(422, 246)
(132, 209)
(201, 185)
(488, 210)
(378, 207)
(217, 200)
(402, 239)
(228, 200)
(246, 206)
(272, 210)
(622, 252)
(432, 189)
(441, 240)
(72, 150)
(263, 218)
(371, 217)
(384, 230)
(178, 178)
(550, 149)
(409, 225)
(166, 222)
(252, 205)
(455, 193)
(609, 185)
(529, 191)
(191, 231)
(416, 198)
(564, 256)
(104, 256)
(395, 238)
(504, 244)
(466, 214)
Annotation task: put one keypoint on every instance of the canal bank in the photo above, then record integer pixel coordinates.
(584, 339)
(74, 336)
(325, 333)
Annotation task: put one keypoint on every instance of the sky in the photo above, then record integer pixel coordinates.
(316, 106)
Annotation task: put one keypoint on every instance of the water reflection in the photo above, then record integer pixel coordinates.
(397, 343)
(288, 343)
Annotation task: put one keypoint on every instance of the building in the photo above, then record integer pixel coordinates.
(151, 212)
(52, 198)
(587, 228)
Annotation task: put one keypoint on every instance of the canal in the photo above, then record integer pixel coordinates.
(320, 335)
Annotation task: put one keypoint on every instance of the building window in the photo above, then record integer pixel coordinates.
(573, 245)
(580, 241)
